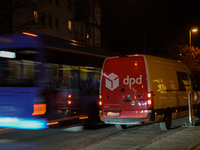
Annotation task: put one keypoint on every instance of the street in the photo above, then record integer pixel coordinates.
(147, 136)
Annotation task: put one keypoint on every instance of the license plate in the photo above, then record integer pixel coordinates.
(112, 114)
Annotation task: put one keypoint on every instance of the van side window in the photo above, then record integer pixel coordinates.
(182, 81)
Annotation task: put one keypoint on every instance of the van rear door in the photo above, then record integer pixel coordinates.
(110, 89)
(124, 87)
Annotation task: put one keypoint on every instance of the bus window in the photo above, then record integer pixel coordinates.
(61, 76)
(89, 81)
(75, 79)
(17, 73)
(66, 75)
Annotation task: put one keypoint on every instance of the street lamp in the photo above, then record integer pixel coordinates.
(190, 36)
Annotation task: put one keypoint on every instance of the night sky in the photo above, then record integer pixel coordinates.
(147, 26)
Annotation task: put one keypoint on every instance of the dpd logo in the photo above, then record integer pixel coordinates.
(112, 81)
(131, 81)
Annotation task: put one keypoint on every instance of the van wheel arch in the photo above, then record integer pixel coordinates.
(166, 123)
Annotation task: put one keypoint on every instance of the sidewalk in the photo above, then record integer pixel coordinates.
(186, 139)
(152, 138)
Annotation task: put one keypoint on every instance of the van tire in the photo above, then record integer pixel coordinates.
(166, 124)
(120, 126)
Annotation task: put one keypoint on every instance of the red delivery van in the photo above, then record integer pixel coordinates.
(139, 88)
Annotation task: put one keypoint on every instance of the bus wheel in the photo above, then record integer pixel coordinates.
(166, 124)
(120, 126)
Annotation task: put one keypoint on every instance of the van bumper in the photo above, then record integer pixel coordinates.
(128, 121)
(125, 121)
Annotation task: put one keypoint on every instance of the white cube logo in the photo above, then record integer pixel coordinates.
(112, 81)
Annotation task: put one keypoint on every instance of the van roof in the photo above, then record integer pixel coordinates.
(150, 59)
(156, 58)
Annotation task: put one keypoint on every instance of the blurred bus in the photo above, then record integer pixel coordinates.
(46, 81)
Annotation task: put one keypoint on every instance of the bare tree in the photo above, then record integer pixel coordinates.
(178, 50)
(18, 15)
(88, 11)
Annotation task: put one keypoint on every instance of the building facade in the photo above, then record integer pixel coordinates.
(69, 19)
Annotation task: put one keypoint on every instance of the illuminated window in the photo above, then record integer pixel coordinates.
(35, 12)
(69, 25)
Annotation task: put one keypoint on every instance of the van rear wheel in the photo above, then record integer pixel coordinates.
(166, 124)
(120, 126)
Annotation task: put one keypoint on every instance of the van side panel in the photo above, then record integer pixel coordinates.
(163, 81)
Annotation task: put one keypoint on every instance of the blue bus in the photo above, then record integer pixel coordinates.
(47, 81)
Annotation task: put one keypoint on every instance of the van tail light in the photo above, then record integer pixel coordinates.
(149, 102)
(69, 102)
(149, 95)
(100, 100)
(39, 109)
(150, 99)
(69, 95)
(100, 103)
(100, 96)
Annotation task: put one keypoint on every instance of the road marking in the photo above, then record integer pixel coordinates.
(74, 129)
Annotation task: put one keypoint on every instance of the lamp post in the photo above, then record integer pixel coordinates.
(190, 37)
(190, 101)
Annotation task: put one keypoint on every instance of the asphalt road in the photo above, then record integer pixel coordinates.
(145, 137)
